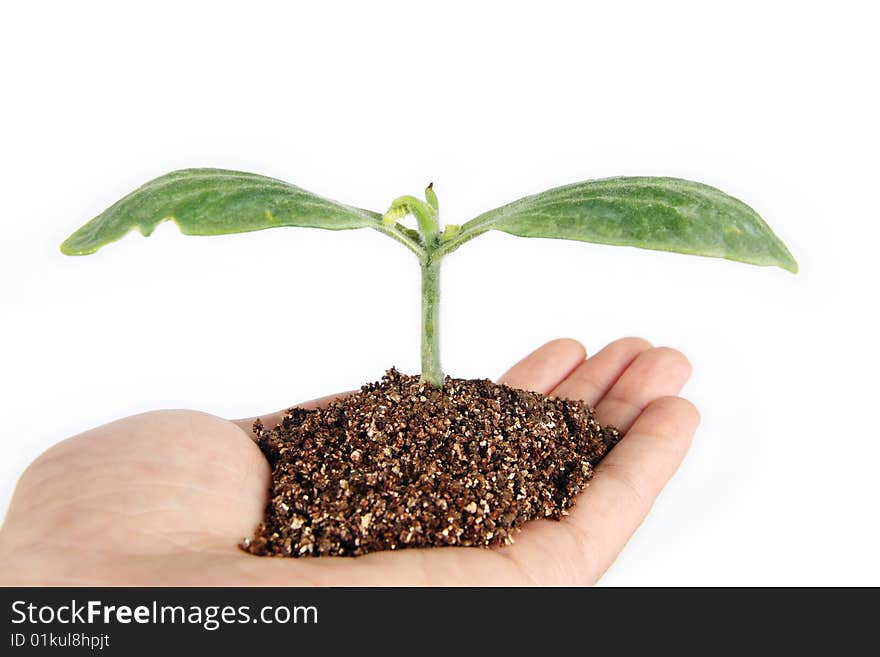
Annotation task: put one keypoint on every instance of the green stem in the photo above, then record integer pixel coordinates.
(431, 371)
(424, 244)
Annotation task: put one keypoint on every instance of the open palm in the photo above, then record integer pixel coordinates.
(165, 497)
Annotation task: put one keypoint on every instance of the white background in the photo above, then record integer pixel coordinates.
(775, 103)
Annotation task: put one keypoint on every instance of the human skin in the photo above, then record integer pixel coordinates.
(164, 498)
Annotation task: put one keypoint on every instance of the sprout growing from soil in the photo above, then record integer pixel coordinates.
(666, 214)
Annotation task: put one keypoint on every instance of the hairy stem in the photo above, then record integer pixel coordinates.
(431, 371)
(424, 243)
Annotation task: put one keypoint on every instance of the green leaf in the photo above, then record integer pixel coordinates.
(666, 214)
(216, 202)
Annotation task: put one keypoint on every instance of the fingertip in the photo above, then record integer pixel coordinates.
(632, 343)
(566, 346)
(671, 355)
(672, 418)
(677, 405)
(687, 407)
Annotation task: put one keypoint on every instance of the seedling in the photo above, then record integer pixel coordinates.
(667, 214)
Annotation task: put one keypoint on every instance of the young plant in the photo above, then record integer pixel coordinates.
(667, 214)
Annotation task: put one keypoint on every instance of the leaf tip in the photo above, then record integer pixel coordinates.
(785, 260)
(431, 197)
(70, 247)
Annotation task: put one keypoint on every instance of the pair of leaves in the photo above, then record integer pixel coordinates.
(666, 214)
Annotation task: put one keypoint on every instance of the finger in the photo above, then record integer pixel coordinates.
(654, 373)
(273, 419)
(595, 376)
(544, 368)
(625, 365)
(628, 481)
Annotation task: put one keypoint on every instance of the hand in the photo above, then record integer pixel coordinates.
(165, 497)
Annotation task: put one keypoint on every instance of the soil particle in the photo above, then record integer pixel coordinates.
(403, 464)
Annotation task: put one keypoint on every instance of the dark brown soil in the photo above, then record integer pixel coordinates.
(401, 464)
